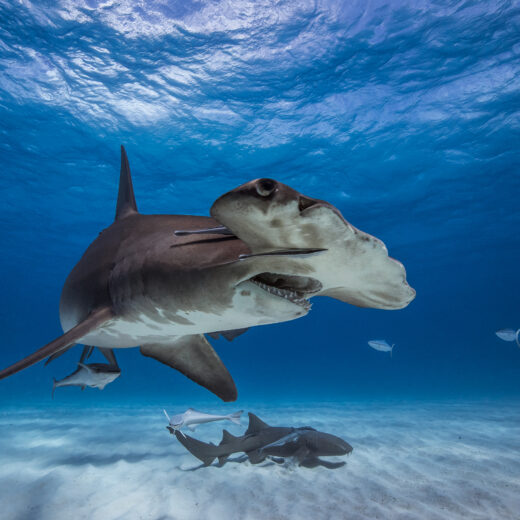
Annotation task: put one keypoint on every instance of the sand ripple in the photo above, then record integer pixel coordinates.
(419, 461)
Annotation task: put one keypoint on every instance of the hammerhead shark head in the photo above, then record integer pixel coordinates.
(161, 282)
(261, 441)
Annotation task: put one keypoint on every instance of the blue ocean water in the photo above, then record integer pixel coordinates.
(404, 115)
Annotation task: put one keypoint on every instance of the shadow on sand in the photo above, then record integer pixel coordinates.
(103, 460)
(274, 461)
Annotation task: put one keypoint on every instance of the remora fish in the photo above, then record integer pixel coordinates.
(94, 375)
(139, 284)
(381, 345)
(260, 441)
(191, 418)
(509, 335)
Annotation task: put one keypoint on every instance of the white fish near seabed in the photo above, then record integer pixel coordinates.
(191, 418)
(94, 375)
(509, 335)
(381, 345)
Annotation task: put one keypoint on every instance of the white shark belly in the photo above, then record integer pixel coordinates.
(143, 323)
(122, 332)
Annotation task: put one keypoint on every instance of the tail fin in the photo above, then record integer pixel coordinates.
(235, 417)
(206, 453)
(54, 382)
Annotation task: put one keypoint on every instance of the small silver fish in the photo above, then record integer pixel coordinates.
(191, 418)
(509, 335)
(95, 375)
(381, 345)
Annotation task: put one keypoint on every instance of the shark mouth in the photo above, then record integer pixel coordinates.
(296, 289)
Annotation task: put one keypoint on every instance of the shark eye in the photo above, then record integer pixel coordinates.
(264, 187)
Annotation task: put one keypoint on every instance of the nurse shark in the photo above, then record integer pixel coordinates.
(260, 441)
(263, 253)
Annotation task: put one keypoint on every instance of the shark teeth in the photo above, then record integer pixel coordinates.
(292, 296)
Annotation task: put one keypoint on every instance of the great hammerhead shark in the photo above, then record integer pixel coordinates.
(162, 281)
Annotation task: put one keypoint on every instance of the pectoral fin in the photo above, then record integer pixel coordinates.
(313, 462)
(196, 359)
(255, 456)
(74, 335)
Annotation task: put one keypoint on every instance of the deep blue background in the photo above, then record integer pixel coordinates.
(405, 115)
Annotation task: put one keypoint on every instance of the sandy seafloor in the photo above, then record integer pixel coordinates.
(421, 460)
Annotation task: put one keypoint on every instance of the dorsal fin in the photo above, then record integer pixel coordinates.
(226, 437)
(255, 424)
(125, 199)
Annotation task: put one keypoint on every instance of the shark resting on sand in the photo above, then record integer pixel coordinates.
(262, 441)
(161, 282)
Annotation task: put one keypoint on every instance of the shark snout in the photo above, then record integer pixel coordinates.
(332, 445)
(344, 447)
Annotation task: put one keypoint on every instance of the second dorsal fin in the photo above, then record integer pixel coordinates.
(226, 437)
(125, 199)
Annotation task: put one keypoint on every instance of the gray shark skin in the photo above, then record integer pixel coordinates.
(262, 441)
(266, 251)
(306, 445)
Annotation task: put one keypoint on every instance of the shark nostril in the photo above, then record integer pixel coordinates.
(264, 187)
(304, 202)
